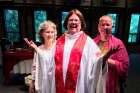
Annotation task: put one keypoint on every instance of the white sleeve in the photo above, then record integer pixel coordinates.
(36, 70)
(94, 67)
(33, 68)
(35, 60)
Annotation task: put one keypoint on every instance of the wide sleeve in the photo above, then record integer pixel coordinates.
(35, 62)
(94, 68)
(36, 70)
(121, 60)
(33, 67)
(95, 76)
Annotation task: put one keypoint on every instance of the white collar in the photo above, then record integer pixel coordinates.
(72, 36)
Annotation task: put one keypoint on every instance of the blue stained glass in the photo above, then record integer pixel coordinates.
(39, 17)
(11, 25)
(132, 38)
(133, 30)
(115, 20)
(63, 15)
(134, 23)
(129, 39)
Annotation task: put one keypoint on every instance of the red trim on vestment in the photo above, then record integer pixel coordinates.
(73, 66)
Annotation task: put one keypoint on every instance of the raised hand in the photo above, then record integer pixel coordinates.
(30, 43)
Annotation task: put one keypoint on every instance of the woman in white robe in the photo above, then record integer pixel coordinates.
(47, 32)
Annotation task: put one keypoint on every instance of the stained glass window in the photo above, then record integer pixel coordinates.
(63, 15)
(115, 22)
(11, 25)
(134, 27)
(39, 17)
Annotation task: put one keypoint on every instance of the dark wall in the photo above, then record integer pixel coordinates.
(92, 11)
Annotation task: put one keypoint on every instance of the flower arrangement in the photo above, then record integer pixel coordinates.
(28, 79)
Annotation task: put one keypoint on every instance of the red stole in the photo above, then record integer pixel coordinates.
(73, 66)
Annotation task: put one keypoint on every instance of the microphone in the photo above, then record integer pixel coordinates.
(107, 31)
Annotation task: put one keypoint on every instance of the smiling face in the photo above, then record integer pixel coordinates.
(74, 24)
(105, 26)
(48, 33)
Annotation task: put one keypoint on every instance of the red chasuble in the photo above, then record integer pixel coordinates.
(73, 66)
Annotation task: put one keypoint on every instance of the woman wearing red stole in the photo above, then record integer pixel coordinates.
(77, 64)
(117, 60)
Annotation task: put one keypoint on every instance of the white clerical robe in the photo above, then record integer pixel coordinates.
(90, 66)
(40, 67)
